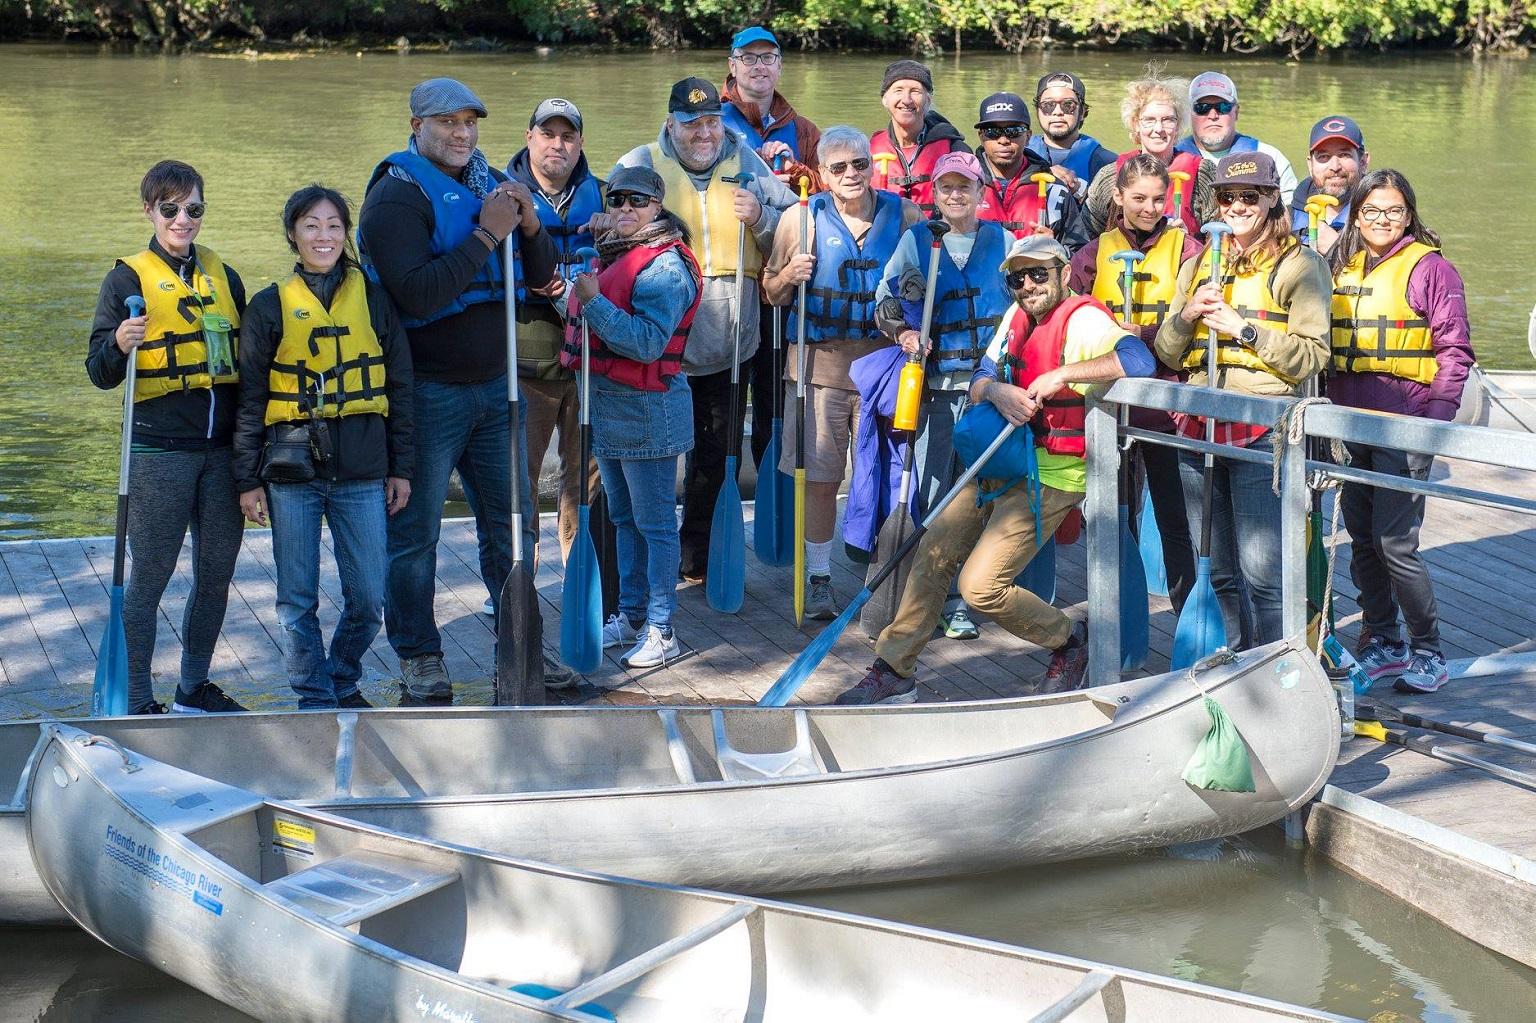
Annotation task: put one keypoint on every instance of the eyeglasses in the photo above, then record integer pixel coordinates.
(195, 210)
(1057, 106)
(1221, 106)
(1012, 131)
(753, 59)
(858, 163)
(1148, 123)
(1038, 274)
(1392, 215)
(616, 200)
(1247, 196)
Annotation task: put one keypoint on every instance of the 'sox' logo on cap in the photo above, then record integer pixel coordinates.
(995, 107)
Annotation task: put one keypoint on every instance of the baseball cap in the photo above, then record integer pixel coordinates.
(1246, 169)
(444, 96)
(957, 163)
(1212, 83)
(1003, 108)
(1037, 248)
(1336, 126)
(753, 34)
(693, 98)
(556, 107)
(640, 180)
(1060, 78)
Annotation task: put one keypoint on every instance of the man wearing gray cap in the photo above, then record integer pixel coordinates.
(432, 231)
(1213, 117)
(1050, 346)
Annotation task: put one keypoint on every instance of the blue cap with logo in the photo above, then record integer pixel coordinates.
(753, 34)
(1336, 126)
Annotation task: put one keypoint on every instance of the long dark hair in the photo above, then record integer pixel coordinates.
(306, 199)
(1351, 243)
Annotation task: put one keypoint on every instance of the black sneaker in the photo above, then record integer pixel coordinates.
(879, 685)
(353, 701)
(1069, 664)
(153, 707)
(424, 678)
(205, 699)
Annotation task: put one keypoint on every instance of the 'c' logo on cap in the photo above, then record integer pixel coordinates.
(1242, 168)
(1334, 125)
(696, 96)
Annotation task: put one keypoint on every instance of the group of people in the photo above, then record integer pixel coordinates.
(353, 389)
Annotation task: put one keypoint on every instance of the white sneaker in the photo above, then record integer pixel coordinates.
(618, 632)
(488, 608)
(655, 649)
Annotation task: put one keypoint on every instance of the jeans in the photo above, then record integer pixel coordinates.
(1245, 542)
(706, 464)
(354, 509)
(642, 502)
(464, 427)
(1384, 553)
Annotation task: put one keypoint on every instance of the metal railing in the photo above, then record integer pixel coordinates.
(1502, 448)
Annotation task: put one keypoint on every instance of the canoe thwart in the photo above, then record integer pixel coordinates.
(1079, 996)
(359, 885)
(738, 766)
(676, 748)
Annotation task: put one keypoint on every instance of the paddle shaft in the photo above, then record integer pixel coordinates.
(1425, 745)
(1211, 344)
(1380, 713)
(514, 453)
(135, 306)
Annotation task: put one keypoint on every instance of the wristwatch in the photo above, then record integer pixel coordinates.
(1249, 335)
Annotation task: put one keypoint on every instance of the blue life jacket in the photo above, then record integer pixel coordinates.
(455, 214)
(1240, 144)
(783, 132)
(967, 304)
(568, 232)
(840, 298)
(1079, 159)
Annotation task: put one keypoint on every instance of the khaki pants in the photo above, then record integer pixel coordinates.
(993, 543)
(550, 405)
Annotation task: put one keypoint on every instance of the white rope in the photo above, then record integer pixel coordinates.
(1290, 428)
(1221, 657)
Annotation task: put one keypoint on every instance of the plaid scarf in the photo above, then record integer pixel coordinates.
(476, 175)
(661, 231)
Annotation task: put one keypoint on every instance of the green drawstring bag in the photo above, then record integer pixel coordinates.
(1221, 760)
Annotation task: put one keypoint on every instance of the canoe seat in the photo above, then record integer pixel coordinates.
(361, 884)
(738, 766)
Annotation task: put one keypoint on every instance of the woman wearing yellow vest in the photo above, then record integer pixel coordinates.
(1402, 344)
(1268, 316)
(325, 429)
(183, 415)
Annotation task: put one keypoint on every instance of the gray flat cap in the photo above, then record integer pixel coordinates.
(444, 96)
(640, 180)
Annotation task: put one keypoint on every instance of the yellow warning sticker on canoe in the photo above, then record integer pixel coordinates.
(290, 834)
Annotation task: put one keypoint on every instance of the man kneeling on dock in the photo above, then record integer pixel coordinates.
(1050, 346)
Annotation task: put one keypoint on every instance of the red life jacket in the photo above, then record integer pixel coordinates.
(616, 283)
(1015, 204)
(1188, 163)
(913, 180)
(1059, 427)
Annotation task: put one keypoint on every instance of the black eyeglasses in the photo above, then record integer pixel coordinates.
(1246, 196)
(195, 210)
(1012, 131)
(1038, 274)
(858, 163)
(1221, 106)
(749, 59)
(1057, 106)
(616, 200)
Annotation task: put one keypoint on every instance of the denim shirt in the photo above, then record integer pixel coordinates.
(630, 423)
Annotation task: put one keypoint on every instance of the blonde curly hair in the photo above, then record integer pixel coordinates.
(1154, 88)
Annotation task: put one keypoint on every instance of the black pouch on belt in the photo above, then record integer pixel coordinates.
(288, 458)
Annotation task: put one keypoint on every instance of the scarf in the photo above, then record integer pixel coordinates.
(661, 231)
(476, 175)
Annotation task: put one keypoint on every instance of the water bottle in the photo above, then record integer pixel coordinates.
(221, 351)
(1348, 678)
(909, 395)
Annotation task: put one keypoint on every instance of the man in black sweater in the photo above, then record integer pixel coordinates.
(432, 229)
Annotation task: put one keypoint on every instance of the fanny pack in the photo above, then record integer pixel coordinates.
(292, 450)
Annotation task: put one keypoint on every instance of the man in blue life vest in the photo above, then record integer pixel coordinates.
(1213, 116)
(1008, 196)
(1061, 106)
(1336, 160)
(432, 231)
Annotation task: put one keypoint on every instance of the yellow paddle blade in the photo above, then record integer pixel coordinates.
(1371, 730)
(799, 587)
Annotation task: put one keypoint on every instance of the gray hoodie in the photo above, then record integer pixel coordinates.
(710, 341)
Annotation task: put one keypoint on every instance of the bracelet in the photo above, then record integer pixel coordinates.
(488, 236)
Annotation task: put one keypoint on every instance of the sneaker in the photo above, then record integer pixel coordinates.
(1381, 660)
(425, 678)
(1069, 664)
(957, 624)
(692, 575)
(819, 606)
(617, 631)
(152, 707)
(655, 649)
(880, 685)
(1426, 672)
(353, 701)
(205, 699)
(488, 608)
(557, 675)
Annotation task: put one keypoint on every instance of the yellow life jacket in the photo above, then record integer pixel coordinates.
(710, 214)
(173, 356)
(1249, 296)
(1156, 279)
(333, 352)
(1375, 330)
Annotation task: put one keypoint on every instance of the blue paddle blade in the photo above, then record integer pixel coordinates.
(800, 669)
(1039, 576)
(1151, 544)
(770, 539)
(581, 602)
(109, 693)
(726, 585)
(543, 993)
(1133, 599)
(1201, 631)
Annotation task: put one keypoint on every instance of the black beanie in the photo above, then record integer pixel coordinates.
(897, 70)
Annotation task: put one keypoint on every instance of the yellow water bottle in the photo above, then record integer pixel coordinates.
(909, 395)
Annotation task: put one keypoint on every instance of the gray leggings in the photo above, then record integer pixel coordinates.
(167, 492)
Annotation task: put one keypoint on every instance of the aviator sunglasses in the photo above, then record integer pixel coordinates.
(616, 200)
(858, 163)
(1038, 274)
(1221, 106)
(195, 210)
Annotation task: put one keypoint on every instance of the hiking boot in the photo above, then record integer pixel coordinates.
(152, 707)
(353, 701)
(557, 675)
(880, 685)
(1069, 664)
(1426, 672)
(1381, 660)
(619, 631)
(957, 624)
(655, 649)
(819, 606)
(425, 678)
(205, 699)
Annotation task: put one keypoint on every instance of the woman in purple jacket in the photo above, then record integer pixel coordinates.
(1402, 344)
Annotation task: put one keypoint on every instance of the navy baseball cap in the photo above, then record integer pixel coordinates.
(753, 34)
(693, 98)
(1003, 108)
(1336, 126)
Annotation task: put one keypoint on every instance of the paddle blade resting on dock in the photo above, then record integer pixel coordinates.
(881, 609)
(1149, 539)
(795, 675)
(771, 530)
(1133, 599)
(726, 585)
(581, 603)
(109, 694)
(1201, 631)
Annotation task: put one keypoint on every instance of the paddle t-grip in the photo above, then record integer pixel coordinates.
(1043, 181)
(1317, 206)
(1178, 178)
(135, 304)
(1128, 259)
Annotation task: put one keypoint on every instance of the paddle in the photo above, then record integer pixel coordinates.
(1316, 207)
(1426, 745)
(1043, 182)
(1200, 631)
(1317, 558)
(1381, 712)
(1150, 539)
(1178, 178)
(519, 626)
(581, 599)
(109, 693)
(770, 526)
(797, 586)
(898, 525)
(795, 675)
(726, 585)
(1133, 578)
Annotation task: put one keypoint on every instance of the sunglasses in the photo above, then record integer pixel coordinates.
(636, 201)
(1247, 196)
(195, 210)
(1057, 106)
(1221, 106)
(1012, 131)
(1038, 274)
(858, 163)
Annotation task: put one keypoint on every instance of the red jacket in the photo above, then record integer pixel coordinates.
(616, 283)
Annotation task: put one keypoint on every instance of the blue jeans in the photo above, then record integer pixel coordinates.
(1245, 543)
(464, 427)
(642, 502)
(355, 511)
